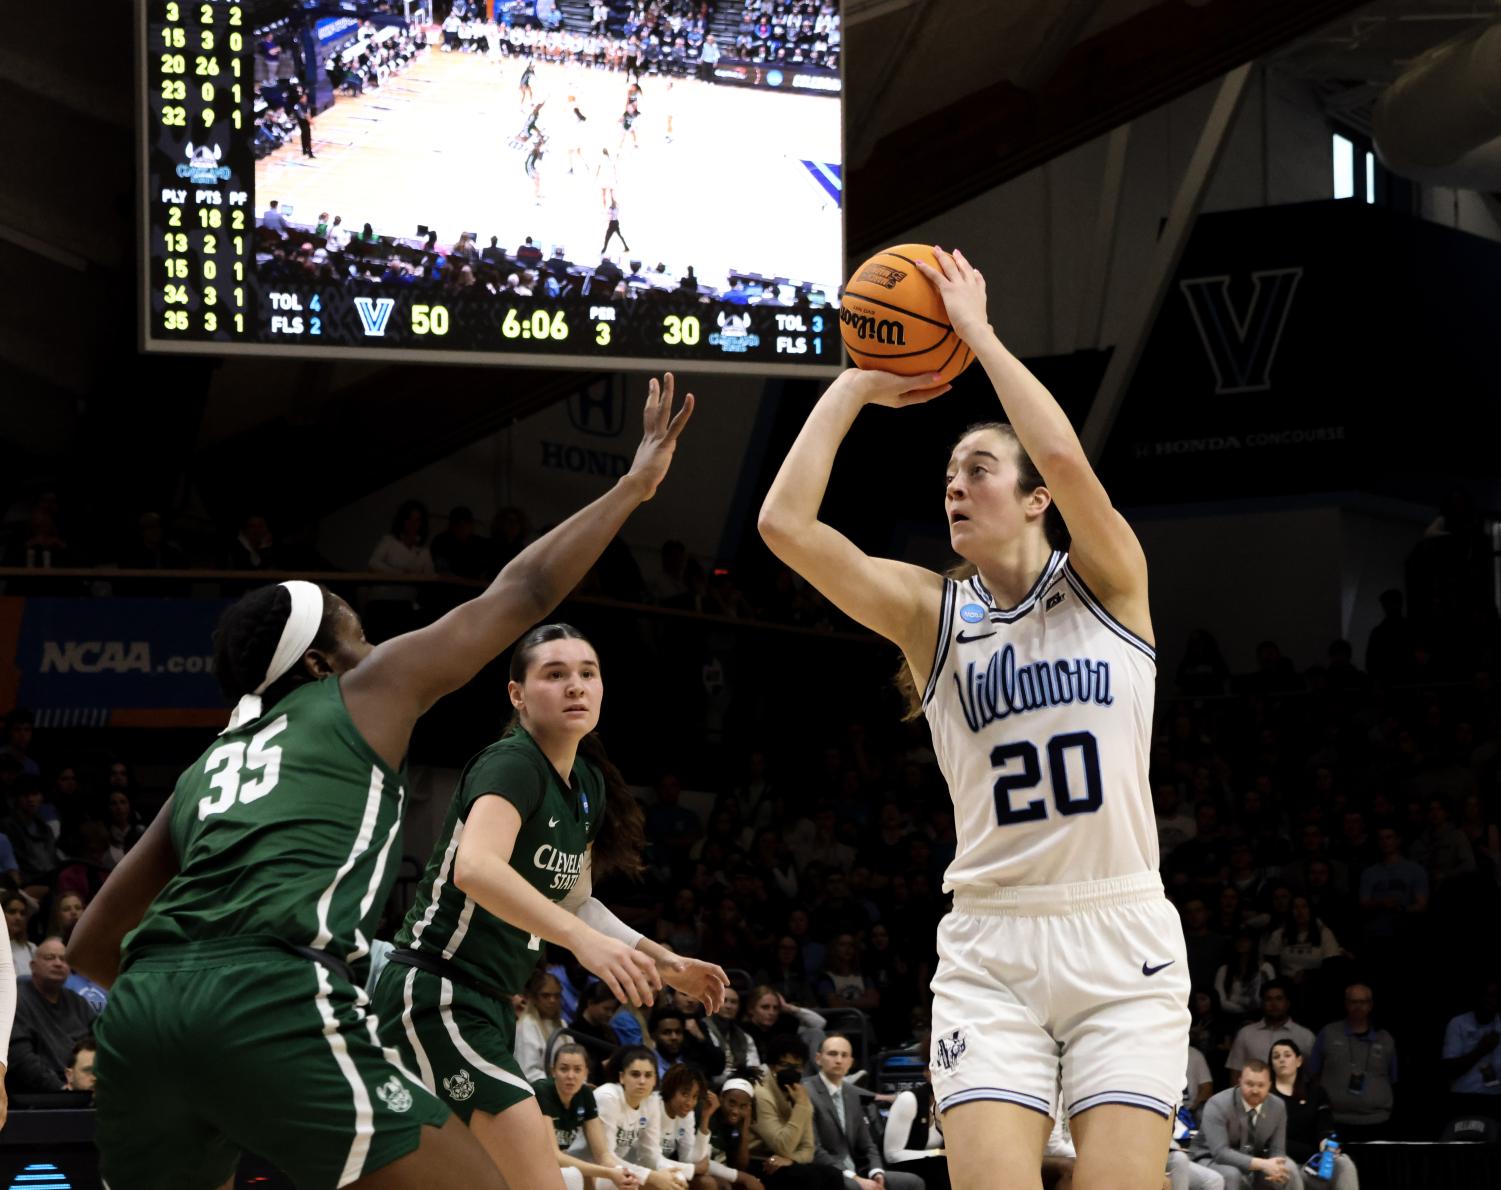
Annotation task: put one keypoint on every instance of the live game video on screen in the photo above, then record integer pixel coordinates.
(597, 184)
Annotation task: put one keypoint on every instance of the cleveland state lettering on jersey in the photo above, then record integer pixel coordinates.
(565, 868)
(1002, 688)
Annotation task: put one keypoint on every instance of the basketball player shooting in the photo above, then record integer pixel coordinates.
(1062, 963)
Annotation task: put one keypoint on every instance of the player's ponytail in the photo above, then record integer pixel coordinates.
(621, 840)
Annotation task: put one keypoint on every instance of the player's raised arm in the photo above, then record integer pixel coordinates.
(895, 599)
(407, 674)
(1103, 550)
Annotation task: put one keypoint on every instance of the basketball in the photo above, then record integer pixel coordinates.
(892, 317)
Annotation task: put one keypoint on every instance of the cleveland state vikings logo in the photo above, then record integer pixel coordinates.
(460, 1086)
(948, 1049)
(203, 168)
(394, 1094)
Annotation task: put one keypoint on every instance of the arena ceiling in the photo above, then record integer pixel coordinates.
(946, 99)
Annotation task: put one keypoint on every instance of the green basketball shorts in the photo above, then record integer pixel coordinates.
(209, 1050)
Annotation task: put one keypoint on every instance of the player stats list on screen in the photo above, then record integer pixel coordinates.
(229, 89)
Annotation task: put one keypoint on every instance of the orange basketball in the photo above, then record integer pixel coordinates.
(892, 317)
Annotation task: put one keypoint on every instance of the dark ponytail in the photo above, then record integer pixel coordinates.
(621, 839)
(1028, 480)
(246, 639)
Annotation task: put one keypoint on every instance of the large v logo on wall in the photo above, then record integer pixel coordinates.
(1242, 349)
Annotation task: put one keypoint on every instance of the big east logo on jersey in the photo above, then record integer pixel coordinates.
(565, 868)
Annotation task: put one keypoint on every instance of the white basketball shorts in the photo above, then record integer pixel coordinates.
(1067, 994)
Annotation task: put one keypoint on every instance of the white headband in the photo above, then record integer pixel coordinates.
(737, 1084)
(297, 634)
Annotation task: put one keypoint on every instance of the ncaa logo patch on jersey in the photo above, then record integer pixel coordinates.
(460, 1086)
(949, 1049)
(971, 613)
(394, 1094)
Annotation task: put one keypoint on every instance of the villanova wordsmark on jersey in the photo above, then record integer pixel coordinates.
(1041, 718)
(1003, 688)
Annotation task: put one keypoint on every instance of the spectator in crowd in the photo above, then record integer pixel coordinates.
(843, 983)
(669, 1035)
(273, 221)
(912, 1142)
(1198, 1084)
(50, 1020)
(17, 914)
(392, 609)
(1309, 1120)
(782, 1135)
(150, 549)
(20, 730)
(671, 827)
(42, 546)
(542, 1017)
(253, 547)
(787, 974)
(1392, 889)
(125, 826)
(1470, 1063)
(685, 1130)
(404, 549)
(9, 872)
(458, 550)
(33, 842)
(723, 1029)
(1203, 670)
(1175, 826)
(79, 1075)
(630, 1111)
(508, 536)
(1239, 980)
(1443, 848)
(769, 1015)
(567, 1100)
(1301, 943)
(730, 1134)
(1244, 1134)
(593, 1021)
(1254, 1041)
(700, 1047)
(1356, 1065)
(1207, 950)
(841, 1133)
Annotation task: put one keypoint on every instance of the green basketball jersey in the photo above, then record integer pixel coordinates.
(285, 828)
(558, 822)
(567, 1122)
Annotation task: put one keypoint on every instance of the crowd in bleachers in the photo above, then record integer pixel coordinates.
(328, 251)
(1329, 833)
(790, 31)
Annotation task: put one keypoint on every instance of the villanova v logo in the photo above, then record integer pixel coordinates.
(1242, 350)
(374, 313)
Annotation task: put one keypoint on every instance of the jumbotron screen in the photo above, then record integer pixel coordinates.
(598, 185)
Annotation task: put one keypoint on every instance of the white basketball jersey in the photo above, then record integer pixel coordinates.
(1041, 717)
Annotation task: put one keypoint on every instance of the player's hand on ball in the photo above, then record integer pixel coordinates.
(659, 438)
(962, 288)
(887, 388)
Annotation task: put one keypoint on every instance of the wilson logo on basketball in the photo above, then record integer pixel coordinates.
(882, 275)
(882, 330)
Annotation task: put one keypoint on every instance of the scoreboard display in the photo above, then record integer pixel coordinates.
(320, 180)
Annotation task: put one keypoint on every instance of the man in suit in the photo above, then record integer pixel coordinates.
(841, 1133)
(1243, 1137)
